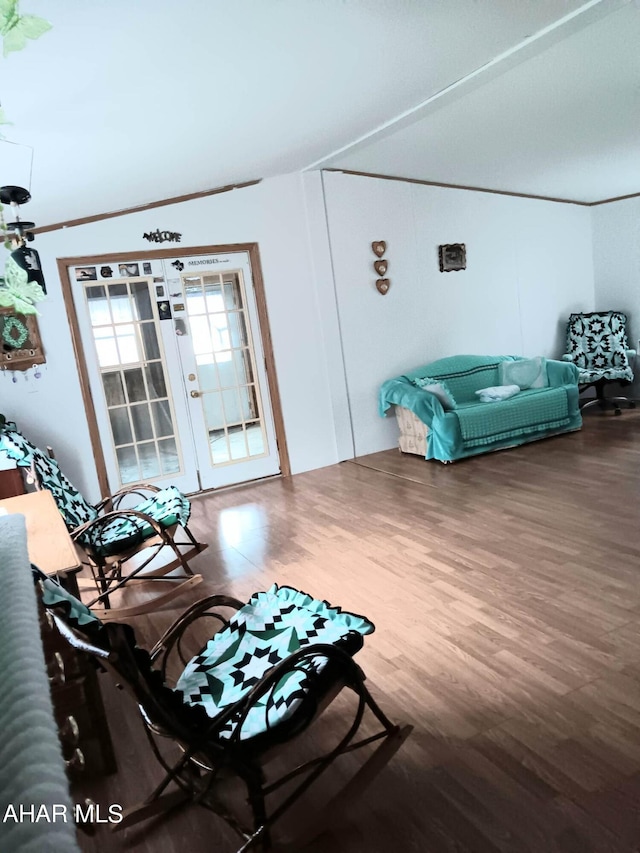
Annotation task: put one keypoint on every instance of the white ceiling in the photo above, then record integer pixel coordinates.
(564, 123)
(128, 102)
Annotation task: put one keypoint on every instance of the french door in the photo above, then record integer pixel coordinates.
(175, 361)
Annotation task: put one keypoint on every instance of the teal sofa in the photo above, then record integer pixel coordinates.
(465, 426)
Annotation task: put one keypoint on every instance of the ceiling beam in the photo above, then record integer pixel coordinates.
(163, 202)
(574, 21)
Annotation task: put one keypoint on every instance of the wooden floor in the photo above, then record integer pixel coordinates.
(505, 590)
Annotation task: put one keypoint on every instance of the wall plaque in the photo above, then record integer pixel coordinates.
(20, 344)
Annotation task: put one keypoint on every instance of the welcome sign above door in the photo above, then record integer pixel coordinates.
(159, 236)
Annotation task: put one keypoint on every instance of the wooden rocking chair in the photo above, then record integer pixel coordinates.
(270, 670)
(119, 541)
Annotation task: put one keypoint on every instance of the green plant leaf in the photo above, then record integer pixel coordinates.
(8, 15)
(16, 29)
(18, 291)
(32, 26)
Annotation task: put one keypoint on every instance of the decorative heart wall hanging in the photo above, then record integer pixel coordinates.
(381, 266)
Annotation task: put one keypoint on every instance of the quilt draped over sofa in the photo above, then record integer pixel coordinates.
(473, 427)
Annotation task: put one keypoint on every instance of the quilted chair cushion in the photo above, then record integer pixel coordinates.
(168, 507)
(73, 507)
(597, 343)
(270, 627)
(71, 609)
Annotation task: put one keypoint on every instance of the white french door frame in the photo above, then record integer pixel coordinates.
(64, 265)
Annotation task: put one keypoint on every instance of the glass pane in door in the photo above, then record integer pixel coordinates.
(225, 360)
(133, 374)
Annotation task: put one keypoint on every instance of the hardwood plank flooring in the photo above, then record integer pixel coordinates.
(506, 597)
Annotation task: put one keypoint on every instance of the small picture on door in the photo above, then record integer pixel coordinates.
(129, 269)
(164, 310)
(86, 274)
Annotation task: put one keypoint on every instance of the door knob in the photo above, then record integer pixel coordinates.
(195, 393)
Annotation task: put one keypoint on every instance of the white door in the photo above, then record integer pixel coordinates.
(176, 370)
(226, 382)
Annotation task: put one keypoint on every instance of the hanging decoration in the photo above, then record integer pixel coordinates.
(29, 260)
(159, 236)
(452, 256)
(15, 29)
(17, 292)
(20, 344)
(23, 282)
(380, 266)
(14, 332)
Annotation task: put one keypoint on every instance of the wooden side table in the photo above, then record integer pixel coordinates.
(51, 548)
(75, 692)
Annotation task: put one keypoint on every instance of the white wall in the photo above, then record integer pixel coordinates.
(328, 310)
(273, 214)
(616, 263)
(529, 265)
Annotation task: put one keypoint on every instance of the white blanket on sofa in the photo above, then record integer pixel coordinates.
(497, 392)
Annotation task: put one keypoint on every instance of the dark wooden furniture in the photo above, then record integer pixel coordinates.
(77, 705)
(11, 483)
(77, 701)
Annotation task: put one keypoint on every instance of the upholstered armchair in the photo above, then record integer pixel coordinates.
(597, 344)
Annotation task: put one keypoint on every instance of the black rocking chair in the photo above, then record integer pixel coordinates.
(260, 681)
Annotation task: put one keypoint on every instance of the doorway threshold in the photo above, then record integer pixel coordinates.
(233, 486)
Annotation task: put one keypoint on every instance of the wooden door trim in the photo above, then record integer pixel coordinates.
(269, 359)
(253, 251)
(83, 373)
